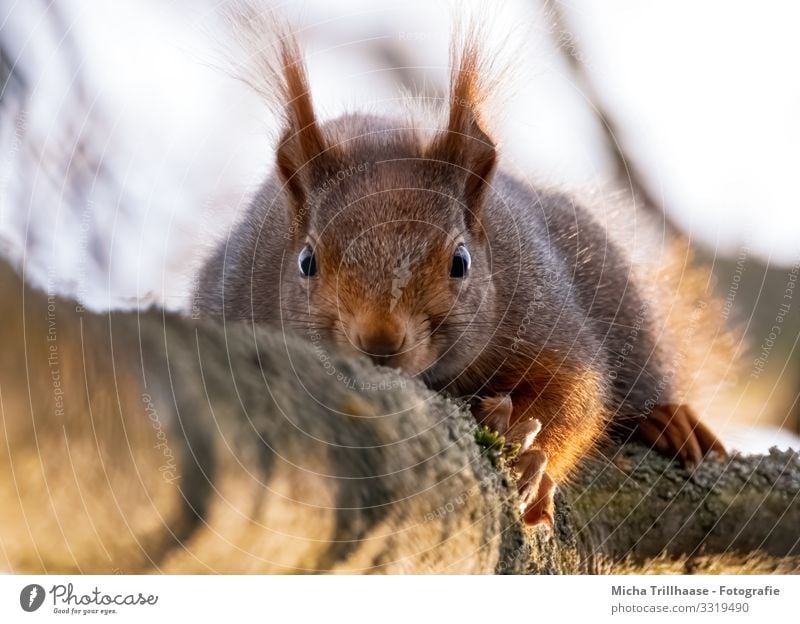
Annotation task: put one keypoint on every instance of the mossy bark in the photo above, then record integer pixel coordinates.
(638, 512)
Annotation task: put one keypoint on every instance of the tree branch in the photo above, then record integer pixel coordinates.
(145, 442)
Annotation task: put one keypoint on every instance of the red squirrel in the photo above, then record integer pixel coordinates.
(417, 247)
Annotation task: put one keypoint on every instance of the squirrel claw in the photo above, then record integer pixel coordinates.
(536, 489)
(524, 433)
(543, 510)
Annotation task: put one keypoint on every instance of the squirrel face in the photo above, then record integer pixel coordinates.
(387, 265)
(385, 224)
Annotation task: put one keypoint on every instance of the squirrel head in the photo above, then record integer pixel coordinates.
(387, 252)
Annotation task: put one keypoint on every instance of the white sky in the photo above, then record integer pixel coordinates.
(707, 97)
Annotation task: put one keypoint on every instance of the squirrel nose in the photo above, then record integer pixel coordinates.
(381, 343)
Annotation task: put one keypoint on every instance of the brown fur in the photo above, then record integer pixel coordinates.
(557, 311)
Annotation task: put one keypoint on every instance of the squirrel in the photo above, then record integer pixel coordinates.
(418, 248)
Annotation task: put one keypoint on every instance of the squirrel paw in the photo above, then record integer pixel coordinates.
(676, 431)
(536, 488)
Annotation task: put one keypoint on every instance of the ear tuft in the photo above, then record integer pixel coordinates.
(274, 68)
(302, 145)
(464, 143)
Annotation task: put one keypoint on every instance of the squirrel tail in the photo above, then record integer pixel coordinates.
(699, 343)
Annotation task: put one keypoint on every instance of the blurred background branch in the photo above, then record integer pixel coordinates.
(626, 172)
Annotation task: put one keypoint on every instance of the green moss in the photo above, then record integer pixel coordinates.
(511, 451)
(495, 447)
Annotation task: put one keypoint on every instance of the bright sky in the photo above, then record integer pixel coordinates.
(707, 97)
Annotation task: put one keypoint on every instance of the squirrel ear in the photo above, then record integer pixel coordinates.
(302, 143)
(464, 143)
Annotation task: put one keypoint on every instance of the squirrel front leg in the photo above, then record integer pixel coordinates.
(536, 488)
(555, 423)
(676, 431)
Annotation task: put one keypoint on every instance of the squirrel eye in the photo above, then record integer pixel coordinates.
(461, 262)
(307, 262)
